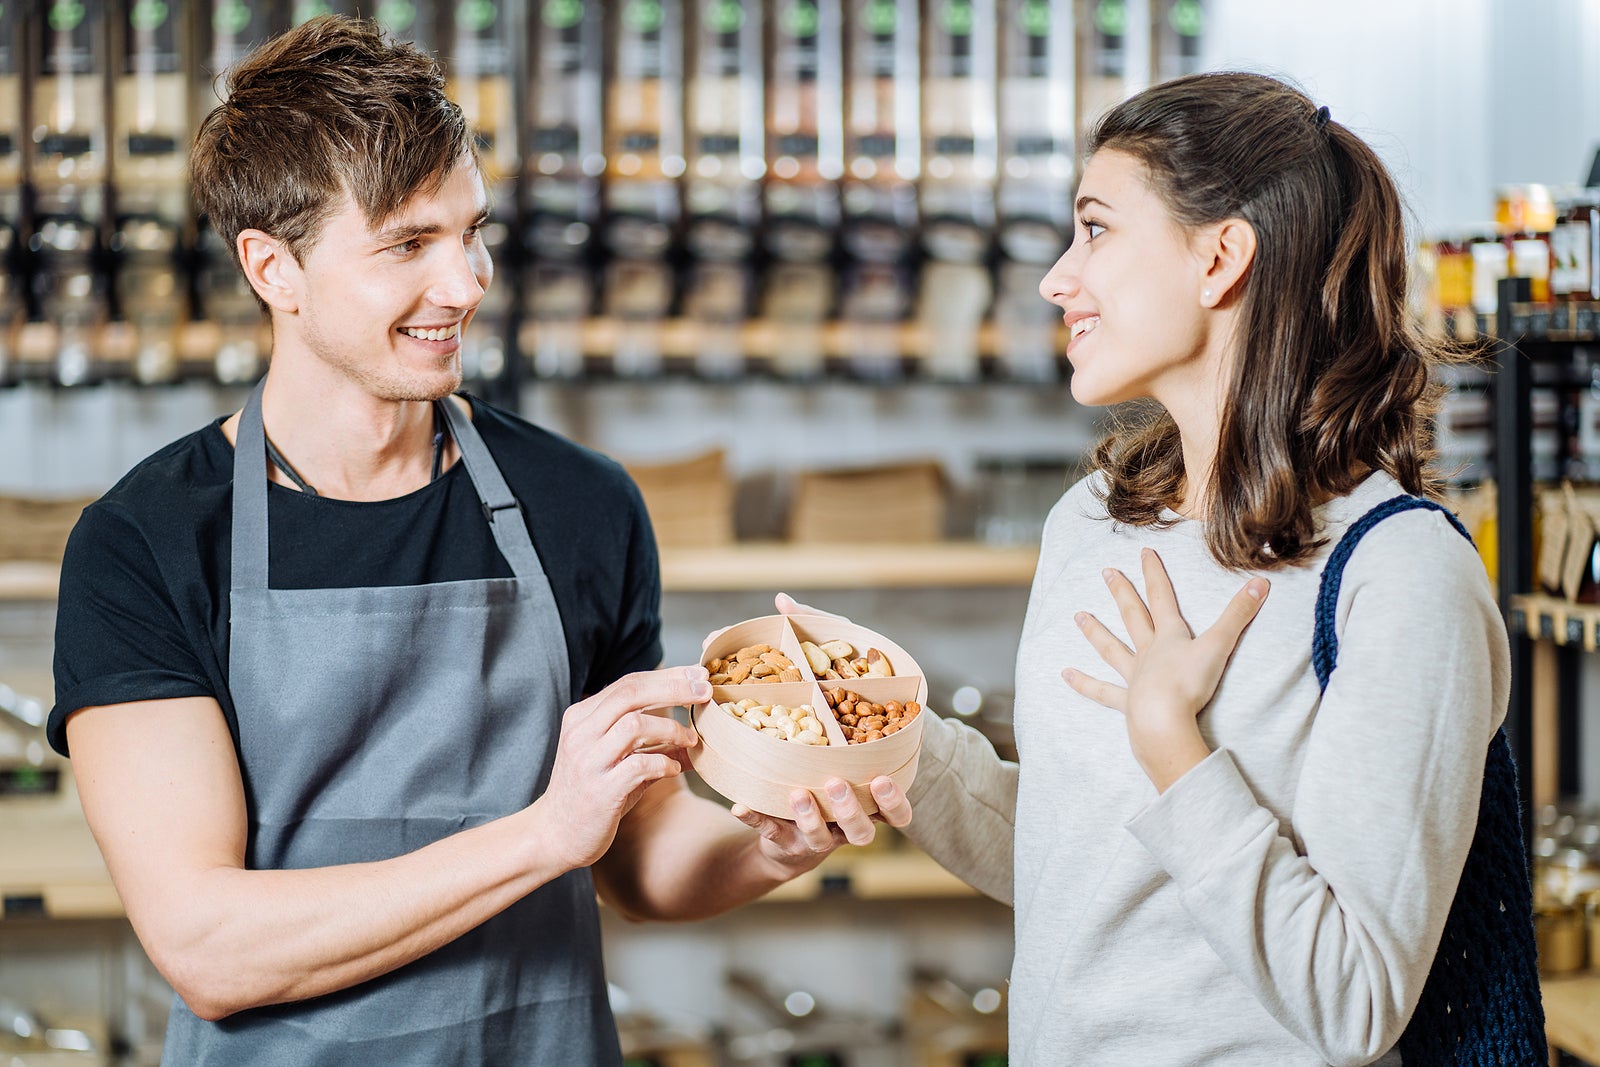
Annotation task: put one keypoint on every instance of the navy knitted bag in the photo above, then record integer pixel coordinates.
(1480, 1006)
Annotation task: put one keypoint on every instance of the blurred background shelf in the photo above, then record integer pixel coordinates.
(751, 566)
(776, 565)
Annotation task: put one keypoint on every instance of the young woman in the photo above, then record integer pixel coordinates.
(1217, 861)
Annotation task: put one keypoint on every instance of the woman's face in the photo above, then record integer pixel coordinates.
(1130, 287)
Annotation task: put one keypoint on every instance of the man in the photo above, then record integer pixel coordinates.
(315, 661)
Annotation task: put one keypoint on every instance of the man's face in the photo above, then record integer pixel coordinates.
(387, 305)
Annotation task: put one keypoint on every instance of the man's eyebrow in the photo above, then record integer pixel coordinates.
(407, 231)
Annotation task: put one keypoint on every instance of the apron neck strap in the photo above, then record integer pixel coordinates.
(500, 508)
(250, 496)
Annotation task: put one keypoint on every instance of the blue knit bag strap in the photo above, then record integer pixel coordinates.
(1324, 639)
(1480, 1006)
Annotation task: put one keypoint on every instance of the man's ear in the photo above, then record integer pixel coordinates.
(1226, 250)
(270, 269)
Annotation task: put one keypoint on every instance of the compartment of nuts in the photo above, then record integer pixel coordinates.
(868, 717)
(748, 749)
(799, 725)
(838, 660)
(753, 665)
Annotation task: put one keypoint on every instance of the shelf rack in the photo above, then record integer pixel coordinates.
(752, 565)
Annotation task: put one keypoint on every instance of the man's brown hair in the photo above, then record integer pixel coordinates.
(326, 109)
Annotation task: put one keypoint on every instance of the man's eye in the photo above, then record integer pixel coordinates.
(405, 248)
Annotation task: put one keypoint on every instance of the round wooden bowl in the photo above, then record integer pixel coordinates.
(760, 772)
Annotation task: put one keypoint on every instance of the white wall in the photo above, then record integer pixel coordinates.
(1410, 76)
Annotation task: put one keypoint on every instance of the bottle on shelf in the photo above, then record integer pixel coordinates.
(565, 161)
(151, 134)
(478, 78)
(225, 338)
(722, 190)
(1118, 46)
(959, 146)
(805, 154)
(1177, 29)
(69, 152)
(1037, 127)
(644, 164)
(883, 161)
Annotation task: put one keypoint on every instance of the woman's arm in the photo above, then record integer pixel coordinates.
(965, 797)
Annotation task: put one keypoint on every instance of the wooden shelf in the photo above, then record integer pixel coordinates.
(852, 875)
(1572, 1014)
(1550, 618)
(752, 566)
(29, 581)
(779, 565)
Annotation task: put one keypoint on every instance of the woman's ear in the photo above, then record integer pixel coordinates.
(270, 269)
(1226, 250)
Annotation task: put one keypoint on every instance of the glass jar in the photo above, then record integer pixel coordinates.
(1491, 261)
(1453, 269)
(1530, 258)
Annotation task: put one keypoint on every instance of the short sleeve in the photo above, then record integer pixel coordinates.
(636, 638)
(119, 636)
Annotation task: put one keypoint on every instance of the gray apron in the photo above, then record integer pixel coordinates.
(373, 722)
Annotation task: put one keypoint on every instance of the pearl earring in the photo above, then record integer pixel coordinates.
(1205, 294)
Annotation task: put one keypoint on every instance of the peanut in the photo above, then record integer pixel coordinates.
(863, 720)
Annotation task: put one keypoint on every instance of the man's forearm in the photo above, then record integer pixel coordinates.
(681, 857)
(246, 938)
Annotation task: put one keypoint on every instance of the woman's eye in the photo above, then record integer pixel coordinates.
(1093, 229)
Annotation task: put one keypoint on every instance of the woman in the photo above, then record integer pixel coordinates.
(1216, 861)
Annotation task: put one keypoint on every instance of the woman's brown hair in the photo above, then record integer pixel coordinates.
(1330, 377)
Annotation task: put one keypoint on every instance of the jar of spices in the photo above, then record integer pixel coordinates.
(1575, 242)
(1453, 269)
(1530, 258)
(1491, 261)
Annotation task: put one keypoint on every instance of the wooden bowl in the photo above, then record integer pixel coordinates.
(758, 771)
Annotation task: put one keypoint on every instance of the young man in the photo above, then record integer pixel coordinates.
(355, 680)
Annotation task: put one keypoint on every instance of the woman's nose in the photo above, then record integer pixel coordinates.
(1060, 282)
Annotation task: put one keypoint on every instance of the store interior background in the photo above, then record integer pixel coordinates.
(1460, 97)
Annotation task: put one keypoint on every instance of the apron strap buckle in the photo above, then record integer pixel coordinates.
(490, 510)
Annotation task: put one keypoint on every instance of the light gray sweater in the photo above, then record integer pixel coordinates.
(1281, 904)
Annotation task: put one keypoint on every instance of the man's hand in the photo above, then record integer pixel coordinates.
(798, 846)
(611, 749)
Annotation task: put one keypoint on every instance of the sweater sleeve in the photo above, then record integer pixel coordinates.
(964, 803)
(1334, 923)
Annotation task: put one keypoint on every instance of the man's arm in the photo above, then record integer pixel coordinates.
(161, 789)
(678, 856)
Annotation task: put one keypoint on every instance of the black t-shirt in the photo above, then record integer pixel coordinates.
(143, 611)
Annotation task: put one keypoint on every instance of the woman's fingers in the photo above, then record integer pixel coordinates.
(1241, 611)
(1158, 590)
(1135, 616)
(1104, 693)
(1118, 656)
(788, 605)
